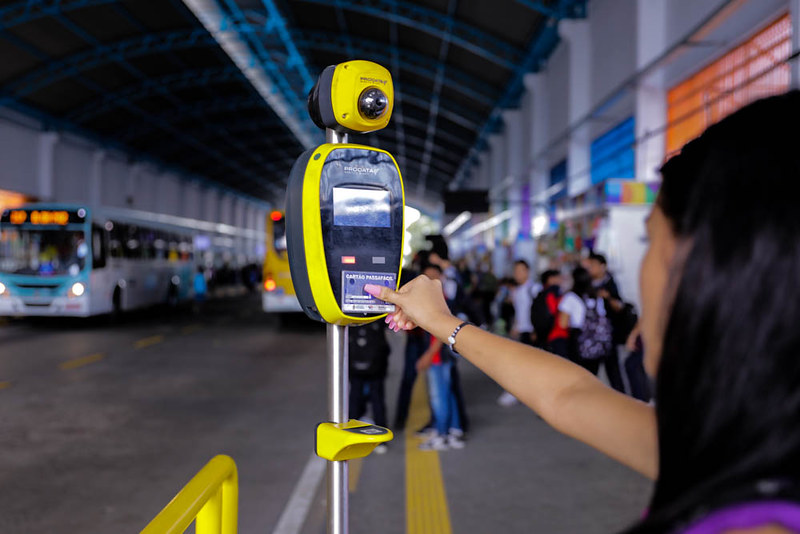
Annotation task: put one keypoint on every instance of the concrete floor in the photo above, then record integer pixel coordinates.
(104, 446)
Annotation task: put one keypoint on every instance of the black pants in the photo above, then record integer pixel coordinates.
(415, 346)
(364, 392)
(640, 383)
(455, 385)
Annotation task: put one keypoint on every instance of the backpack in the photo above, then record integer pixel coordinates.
(594, 341)
(368, 351)
(541, 317)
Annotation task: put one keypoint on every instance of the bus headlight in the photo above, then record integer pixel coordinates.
(77, 289)
(3, 291)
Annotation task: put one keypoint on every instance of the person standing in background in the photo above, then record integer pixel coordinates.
(368, 360)
(522, 331)
(606, 288)
(200, 288)
(455, 298)
(414, 348)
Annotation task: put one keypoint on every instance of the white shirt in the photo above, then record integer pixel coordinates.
(575, 307)
(522, 298)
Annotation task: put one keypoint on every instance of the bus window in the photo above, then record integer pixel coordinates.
(115, 237)
(42, 251)
(160, 245)
(279, 235)
(98, 248)
(132, 243)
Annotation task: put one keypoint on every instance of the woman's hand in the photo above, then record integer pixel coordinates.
(419, 303)
(633, 337)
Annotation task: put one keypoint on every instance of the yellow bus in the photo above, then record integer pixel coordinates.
(278, 295)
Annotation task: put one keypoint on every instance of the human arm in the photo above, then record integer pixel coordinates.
(426, 359)
(630, 343)
(563, 320)
(569, 398)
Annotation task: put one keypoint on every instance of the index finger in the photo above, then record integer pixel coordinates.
(382, 292)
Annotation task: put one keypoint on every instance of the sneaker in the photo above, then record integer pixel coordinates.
(457, 432)
(507, 399)
(455, 442)
(381, 449)
(426, 432)
(436, 443)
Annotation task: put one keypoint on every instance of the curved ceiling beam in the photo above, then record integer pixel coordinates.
(426, 66)
(26, 11)
(120, 51)
(434, 23)
(151, 86)
(412, 95)
(197, 110)
(460, 115)
(446, 136)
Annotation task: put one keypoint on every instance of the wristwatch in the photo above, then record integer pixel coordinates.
(451, 339)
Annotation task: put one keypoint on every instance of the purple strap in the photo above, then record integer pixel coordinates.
(749, 515)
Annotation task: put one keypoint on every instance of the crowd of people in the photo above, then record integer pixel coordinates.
(576, 312)
(719, 319)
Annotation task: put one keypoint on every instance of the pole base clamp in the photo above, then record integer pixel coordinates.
(347, 441)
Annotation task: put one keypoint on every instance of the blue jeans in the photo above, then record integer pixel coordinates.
(443, 401)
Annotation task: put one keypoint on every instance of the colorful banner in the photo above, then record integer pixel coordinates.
(622, 192)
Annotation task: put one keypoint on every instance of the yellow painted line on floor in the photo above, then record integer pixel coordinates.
(426, 501)
(190, 329)
(5, 385)
(148, 341)
(354, 473)
(80, 362)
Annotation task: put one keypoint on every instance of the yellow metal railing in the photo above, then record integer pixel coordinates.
(211, 497)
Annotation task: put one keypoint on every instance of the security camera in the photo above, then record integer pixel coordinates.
(352, 97)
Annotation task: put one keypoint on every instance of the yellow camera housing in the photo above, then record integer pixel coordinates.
(352, 97)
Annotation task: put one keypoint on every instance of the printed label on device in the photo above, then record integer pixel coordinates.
(355, 299)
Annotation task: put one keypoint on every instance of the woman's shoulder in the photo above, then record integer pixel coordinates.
(760, 517)
(767, 529)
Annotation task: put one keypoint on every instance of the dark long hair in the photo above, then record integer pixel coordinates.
(728, 406)
(582, 283)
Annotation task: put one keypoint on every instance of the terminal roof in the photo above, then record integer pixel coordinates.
(217, 88)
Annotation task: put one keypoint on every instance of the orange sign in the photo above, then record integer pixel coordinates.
(60, 218)
(19, 217)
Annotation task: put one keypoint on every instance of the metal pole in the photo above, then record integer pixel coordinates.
(337, 407)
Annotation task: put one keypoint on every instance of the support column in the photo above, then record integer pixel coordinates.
(46, 164)
(515, 138)
(96, 179)
(497, 160)
(577, 35)
(483, 175)
(538, 118)
(651, 94)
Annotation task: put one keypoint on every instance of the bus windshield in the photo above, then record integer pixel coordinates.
(38, 251)
(279, 235)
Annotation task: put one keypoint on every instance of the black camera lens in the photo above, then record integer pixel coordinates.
(372, 103)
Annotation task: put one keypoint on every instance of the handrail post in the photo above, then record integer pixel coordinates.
(209, 520)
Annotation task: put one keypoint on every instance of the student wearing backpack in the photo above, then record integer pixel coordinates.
(545, 307)
(369, 360)
(583, 314)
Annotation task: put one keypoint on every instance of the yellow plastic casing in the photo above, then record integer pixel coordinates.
(347, 441)
(350, 80)
(316, 264)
